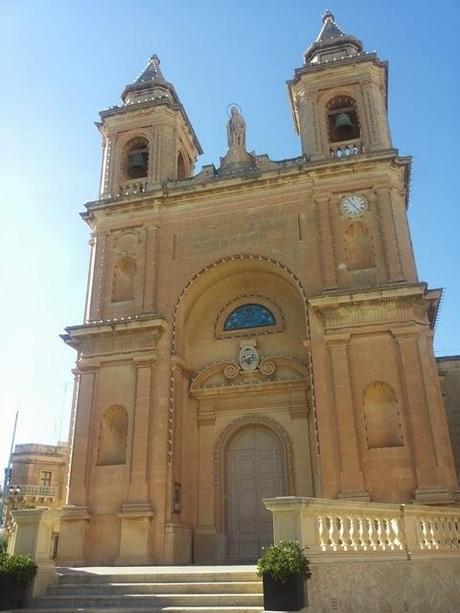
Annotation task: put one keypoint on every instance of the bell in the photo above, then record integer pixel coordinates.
(343, 121)
(137, 164)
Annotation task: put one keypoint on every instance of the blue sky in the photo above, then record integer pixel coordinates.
(62, 62)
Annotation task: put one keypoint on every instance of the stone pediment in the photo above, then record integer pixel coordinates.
(229, 377)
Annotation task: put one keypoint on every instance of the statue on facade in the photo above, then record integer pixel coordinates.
(236, 129)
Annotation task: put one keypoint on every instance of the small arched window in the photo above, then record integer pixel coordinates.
(342, 119)
(359, 251)
(124, 276)
(113, 436)
(381, 416)
(249, 316)
(181, 167)
(136, 162)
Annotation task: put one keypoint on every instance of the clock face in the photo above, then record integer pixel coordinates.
(249, 358)
(353, 205)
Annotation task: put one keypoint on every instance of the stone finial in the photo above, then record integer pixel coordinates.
(328, 16)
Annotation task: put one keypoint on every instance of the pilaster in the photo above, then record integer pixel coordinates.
(151, 268)
(351, 471)
(419, 423)
(390, 236)
(79, 471)
(326, 239)
(98, 278)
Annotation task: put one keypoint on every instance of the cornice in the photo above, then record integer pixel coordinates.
(346, 298)
(76, 335)
(173, 193)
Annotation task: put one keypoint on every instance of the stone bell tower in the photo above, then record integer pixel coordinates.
(354, 83)
(376, 385)
(149, 139)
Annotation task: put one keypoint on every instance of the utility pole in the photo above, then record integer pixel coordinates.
(8, 471)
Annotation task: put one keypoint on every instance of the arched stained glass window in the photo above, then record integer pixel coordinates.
(249, 316)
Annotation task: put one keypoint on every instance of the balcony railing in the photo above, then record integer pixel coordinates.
(46, 491)
(346, 150)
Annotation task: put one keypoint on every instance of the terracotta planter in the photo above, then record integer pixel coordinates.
(288, 596)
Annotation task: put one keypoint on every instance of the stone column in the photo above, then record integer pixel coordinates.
(136, 515)
(389, 236)
(326, 243)
(351, 472)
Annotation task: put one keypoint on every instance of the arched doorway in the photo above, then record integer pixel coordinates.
(254, 469)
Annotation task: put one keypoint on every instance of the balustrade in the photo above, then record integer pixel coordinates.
(345, 150)
(351, 529)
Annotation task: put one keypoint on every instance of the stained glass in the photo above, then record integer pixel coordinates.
(249, 316)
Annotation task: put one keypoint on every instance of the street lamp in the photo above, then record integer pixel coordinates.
(14, 491)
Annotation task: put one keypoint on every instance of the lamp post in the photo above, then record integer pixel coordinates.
(14, 491)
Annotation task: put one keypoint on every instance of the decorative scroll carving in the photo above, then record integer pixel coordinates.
(226, 376)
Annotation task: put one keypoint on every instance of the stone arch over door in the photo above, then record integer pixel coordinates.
(252, 461)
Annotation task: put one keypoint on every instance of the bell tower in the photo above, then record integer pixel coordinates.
(339, 97)
(147, 140)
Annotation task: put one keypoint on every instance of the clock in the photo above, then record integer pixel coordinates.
(249, 358)
(353, 205)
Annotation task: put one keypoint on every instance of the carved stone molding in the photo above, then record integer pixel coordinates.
(228, 377)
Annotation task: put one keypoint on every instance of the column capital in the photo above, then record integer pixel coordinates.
(145, 360)
(338, 340)
(87, 365)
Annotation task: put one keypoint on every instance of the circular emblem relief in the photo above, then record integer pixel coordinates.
(249, 358)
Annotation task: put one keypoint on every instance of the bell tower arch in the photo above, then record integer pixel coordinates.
(148, 139)
(339, 97)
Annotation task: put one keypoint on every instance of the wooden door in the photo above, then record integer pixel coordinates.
(254, 470)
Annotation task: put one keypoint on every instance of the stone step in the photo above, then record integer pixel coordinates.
(152, 601)
(202, 587)
(156, 575)
(74, 609)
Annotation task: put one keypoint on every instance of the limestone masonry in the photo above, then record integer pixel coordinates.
(255, 330)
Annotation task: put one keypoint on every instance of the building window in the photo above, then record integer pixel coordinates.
(136, 158)
(45, 478)
(249, 316)
(181, 167)
(342, 120)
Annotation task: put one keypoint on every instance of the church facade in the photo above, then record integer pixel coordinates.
(254, 330)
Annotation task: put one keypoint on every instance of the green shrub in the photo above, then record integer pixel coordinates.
(21, 568)
(283, 560)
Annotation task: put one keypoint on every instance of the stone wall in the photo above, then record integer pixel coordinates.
(390, 586)
(449, 371)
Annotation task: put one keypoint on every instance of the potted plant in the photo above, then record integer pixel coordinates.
(16, 575)
(284, 569)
